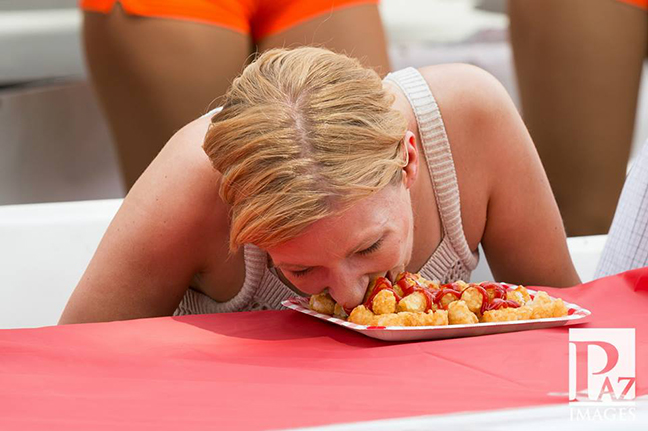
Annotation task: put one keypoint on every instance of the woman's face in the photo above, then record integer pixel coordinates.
(343, 253)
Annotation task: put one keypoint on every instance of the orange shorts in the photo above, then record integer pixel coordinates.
(259, 18)
(643, 4)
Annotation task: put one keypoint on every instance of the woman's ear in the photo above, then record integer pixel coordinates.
(410, 171)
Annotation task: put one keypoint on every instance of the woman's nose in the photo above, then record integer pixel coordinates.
(348, 287)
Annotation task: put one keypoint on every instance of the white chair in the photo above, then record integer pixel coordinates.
(44, 249)
(585, 252)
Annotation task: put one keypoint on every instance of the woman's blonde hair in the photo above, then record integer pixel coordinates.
(302, 134)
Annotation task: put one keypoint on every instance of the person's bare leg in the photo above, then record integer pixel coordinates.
(356, 31)
(155, 75)
(579, 66)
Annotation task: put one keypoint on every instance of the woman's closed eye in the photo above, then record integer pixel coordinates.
(371, 249)
(301, 273)
(375, 246)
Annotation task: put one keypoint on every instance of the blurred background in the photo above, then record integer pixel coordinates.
(54, 142)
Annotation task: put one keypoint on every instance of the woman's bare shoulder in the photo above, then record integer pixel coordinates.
(182, 173)
(482, 122)
(182, 159)
(470, 101)
(465, 90)
(182, 184)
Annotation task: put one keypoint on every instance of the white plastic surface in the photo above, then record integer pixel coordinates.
(585, 252)
(44, 249)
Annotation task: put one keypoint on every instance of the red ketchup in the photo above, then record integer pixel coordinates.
(409, 285)
(484, 295)
(499, 291)
(381, 283)
(499, 297)
(498, 303)
(446, 289)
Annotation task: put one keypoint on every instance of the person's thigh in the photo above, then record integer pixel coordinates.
(155, 75)
(579, 66)
(355, 30)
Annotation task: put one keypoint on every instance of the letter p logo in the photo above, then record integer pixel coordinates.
(602, 363)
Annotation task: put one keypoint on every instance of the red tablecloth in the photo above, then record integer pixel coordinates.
(279, 369)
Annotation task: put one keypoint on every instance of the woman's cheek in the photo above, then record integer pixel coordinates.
(309, 287)
(387, 261)
(396, 260)
(401, 252)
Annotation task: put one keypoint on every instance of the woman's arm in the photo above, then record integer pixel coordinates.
(158, 240)
(521, 229)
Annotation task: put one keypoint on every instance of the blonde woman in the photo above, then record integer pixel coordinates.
(316, 174)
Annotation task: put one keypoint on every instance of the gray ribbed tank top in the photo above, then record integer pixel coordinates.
(452, 260)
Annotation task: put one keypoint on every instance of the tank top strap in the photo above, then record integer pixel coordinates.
(438, 156)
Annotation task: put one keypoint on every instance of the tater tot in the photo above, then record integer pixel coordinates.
(525, 294)
(409, 318)
(446, 300)
(507, 314)
(322, 303)
(362, 316)
(392, 319)
(430, 284)
(560, 309)
(339, 312)
(370, 289)
(516, 296)
(473, 299)
(543, 306)
(413, 302)
(384, 302)
(459, 314)
(436, 318)
(461, 285)
(542, 311)
(541, 297)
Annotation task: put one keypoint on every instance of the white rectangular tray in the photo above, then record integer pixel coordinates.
(576, 315)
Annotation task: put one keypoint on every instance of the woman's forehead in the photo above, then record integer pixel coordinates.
(365, 216)
(337, 235)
